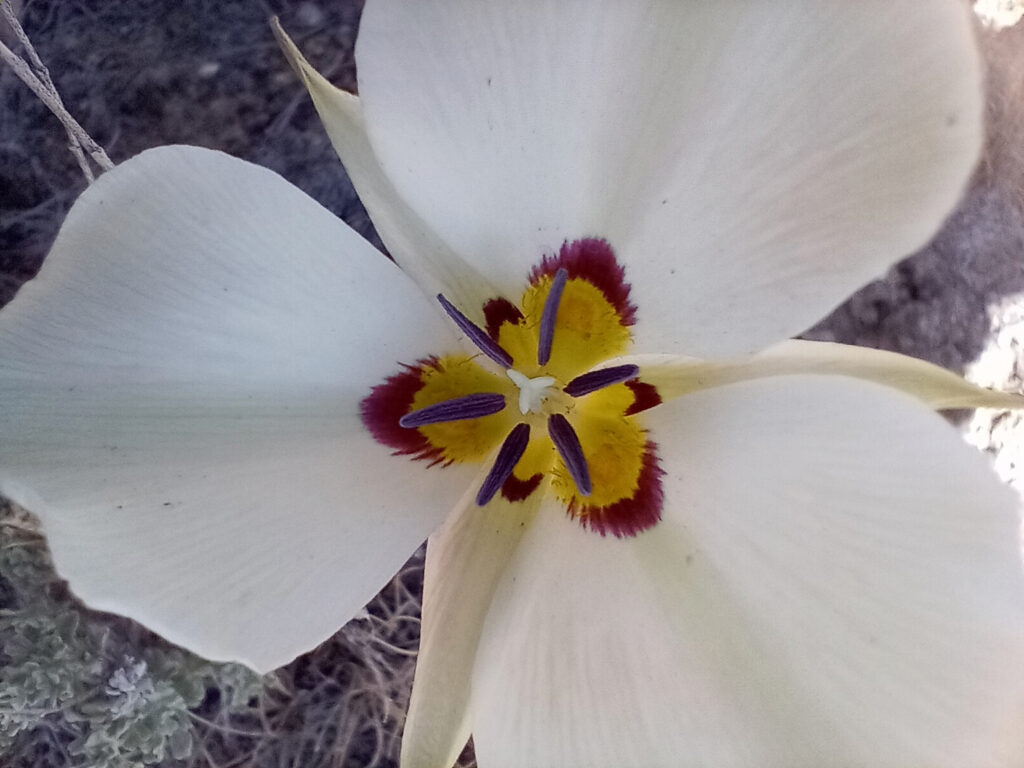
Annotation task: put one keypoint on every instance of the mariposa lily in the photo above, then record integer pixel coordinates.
(660, 535)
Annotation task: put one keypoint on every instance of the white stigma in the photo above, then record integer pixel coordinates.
(531, 391)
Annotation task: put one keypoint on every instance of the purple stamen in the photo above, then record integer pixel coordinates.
(457, 409)
(568, 447)
(595, 380)
(508, 456)
(477, 335)
(548, 316)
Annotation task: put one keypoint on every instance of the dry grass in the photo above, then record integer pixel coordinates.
(341, 705)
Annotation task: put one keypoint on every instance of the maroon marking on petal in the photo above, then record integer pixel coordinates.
(592, 259)
(644, 396)
(389, 402)
(515, 489)
(629, 517)
(497, 312)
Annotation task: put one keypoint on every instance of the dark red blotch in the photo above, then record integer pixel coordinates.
(497, 312)
(592, 259)
(515, 489)
(390, 401)
(644, 396)
(628, 517)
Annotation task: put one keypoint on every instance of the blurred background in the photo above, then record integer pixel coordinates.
(79, 688)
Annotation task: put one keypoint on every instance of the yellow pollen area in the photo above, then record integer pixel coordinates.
(588, 331)
(540, 456)
(471, 439)
(613, 446)
(614, 449)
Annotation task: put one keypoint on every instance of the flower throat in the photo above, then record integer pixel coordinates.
(535, 403)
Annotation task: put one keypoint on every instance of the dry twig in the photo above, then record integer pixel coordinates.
(35, 75)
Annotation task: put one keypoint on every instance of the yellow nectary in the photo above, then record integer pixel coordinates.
(470, 439)
(588, 330)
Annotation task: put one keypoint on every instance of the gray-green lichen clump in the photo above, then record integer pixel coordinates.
(78, 690)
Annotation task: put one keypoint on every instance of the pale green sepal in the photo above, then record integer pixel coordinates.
(937, 387)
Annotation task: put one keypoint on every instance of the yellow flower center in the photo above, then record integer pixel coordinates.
(549, 418)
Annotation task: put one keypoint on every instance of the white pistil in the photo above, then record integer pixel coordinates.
(531, 391)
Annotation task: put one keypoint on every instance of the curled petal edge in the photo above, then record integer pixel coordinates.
(466, 559)
(415, 247)
(937, 387)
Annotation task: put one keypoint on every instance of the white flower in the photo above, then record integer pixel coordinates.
(200, 393)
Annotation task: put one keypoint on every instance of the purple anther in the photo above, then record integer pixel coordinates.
(568, 446)
(457, 409)
(476, 334)
(508, 456)
(595, 380)
(549, 315)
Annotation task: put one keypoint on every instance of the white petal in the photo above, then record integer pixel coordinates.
(179, 402)
(836, 583)
(465, 559)
(412, 244)
(751, 163)
(937, 387)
